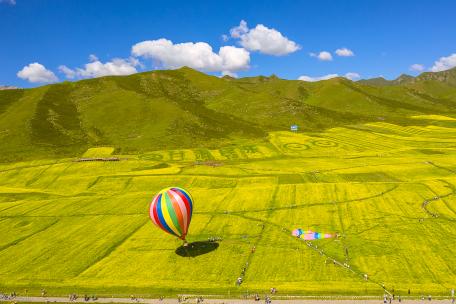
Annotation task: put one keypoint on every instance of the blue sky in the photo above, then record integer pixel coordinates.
(385, 37)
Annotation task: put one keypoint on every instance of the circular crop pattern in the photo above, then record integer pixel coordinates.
(324, 143)
(296, 146)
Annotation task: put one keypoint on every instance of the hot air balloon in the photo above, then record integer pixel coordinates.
(171, 210)
(309, 235)
(315, 236)
(299, 231)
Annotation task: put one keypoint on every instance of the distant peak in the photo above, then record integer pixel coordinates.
(185, 68)
(376, 81)
(274, 77)
(404, 78)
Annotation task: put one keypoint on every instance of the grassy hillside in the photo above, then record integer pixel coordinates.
(185, 108)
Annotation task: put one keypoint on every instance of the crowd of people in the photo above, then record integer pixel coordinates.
(244, 269)
(9, 296)
(388, 298)
(267, 298)
(185, 299)
(73, 297)
(134, 298)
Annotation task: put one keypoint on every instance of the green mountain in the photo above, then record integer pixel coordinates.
(447, 77)
(376, 81)
(185, 108)
(403, 79)
(381, 82)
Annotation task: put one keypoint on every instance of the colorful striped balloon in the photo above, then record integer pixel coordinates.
(171, 210)
(299, 231)
(309, 235)
(315, 236)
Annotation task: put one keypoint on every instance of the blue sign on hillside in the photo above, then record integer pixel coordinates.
(294, 128)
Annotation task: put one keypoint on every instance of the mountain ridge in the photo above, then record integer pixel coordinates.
(447, 76)
(186, 108)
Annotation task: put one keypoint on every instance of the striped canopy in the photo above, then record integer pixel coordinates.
(171, 210)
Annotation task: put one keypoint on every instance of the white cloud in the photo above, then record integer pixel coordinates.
(36, 72)
(69, 73)
(417, 67)
(263, 39)
(93, 58)
(238, 31)
(444, 63)
(234, 58)
(225, 38)
(323, 56)
(352, 75)
(197, 55)
(349, 75)
(344, 52)
(117, 66)
(96, 68)
(312, 79)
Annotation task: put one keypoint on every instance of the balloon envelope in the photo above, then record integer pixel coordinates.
(171, 210)
(309, 235)
(298, 232)
(315, 236)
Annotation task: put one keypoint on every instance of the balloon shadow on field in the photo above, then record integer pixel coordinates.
(196, 248)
